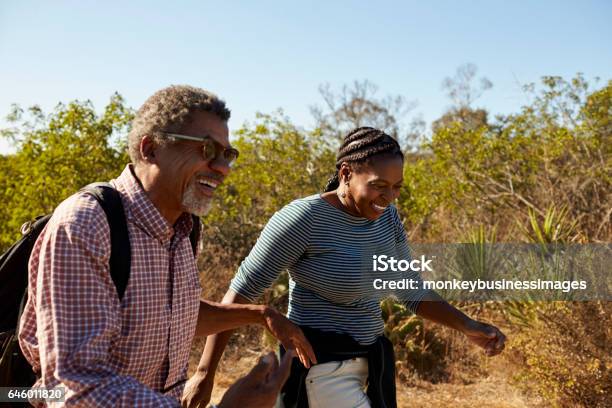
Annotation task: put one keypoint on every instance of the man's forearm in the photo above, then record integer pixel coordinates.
(433, 307)
(217, 317)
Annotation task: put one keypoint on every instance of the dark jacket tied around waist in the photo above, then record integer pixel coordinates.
(330, 346)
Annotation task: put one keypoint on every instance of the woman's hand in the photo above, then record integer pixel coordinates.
(489, 337)
(290, 336)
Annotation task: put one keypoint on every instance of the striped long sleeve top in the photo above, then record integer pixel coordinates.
(329, 256)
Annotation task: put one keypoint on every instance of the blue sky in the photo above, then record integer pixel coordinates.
(263, 55)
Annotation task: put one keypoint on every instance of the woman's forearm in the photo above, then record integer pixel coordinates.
(213, 350)
(433, 307)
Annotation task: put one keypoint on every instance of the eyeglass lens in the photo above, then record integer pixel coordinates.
(210, 151)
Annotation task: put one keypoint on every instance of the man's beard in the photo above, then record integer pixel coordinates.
(193, 202)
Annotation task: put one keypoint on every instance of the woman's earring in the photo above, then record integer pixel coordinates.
(343, 193)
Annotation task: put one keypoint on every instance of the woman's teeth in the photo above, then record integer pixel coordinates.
(379, 208)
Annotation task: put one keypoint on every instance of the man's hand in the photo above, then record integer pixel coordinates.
(290, 336)
(260, 387)
(489, 337)
(197, 390)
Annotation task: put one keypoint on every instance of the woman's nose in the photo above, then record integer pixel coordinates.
(396, 194)
(388, 196)
(391, 194)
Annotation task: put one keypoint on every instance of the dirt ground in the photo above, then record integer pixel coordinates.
(493, 390)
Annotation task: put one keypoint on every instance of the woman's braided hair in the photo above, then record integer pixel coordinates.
(360, 146)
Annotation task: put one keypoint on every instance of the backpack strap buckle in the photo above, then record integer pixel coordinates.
(26, 227)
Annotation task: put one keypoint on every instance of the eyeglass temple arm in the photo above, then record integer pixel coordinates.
(186, 137)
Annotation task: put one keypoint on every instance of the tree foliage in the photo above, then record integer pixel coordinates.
(56, 155)
(357, 105)
(473, 174)
(278, 163)
(555, 151)
(462, 91)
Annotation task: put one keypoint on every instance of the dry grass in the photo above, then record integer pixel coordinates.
(494, 390)
(491, 384)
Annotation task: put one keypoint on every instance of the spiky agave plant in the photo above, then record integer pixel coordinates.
(550, 232)
(554, 227)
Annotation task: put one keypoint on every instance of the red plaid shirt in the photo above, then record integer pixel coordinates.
(76, 333)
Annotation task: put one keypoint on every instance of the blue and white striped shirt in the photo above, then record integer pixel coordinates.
(329, 256)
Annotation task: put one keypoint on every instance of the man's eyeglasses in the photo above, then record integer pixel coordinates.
(211, 149)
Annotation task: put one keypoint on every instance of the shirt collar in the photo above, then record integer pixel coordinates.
(141, 211)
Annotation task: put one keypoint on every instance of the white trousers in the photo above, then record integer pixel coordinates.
(338, 384)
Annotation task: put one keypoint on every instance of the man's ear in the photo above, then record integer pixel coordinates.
(148, 149)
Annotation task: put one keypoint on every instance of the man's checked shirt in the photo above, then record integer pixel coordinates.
(76, 333)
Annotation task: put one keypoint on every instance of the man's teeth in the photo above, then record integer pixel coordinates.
(209, 183)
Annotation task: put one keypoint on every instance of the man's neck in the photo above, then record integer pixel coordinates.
(149, 180)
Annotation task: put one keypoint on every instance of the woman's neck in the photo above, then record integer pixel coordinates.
(348, 206)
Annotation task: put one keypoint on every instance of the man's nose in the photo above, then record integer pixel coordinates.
(220, 165)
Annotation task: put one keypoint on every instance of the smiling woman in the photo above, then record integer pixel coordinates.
(327, 243)
(374, 162)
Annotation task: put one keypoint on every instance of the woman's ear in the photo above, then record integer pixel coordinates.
(344, 173)
(148, 149)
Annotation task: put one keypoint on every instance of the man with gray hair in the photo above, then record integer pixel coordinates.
(108, 351)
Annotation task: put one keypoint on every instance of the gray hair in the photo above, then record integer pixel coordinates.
(167, 110)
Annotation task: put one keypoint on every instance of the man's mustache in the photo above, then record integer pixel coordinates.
(214, 176)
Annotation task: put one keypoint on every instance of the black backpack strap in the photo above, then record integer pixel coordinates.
(194, 236)
(120, 257)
